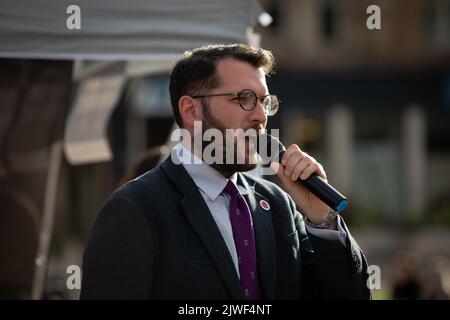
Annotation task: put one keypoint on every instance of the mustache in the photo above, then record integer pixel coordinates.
(260, 129)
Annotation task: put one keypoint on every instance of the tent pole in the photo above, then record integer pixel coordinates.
(42, 257)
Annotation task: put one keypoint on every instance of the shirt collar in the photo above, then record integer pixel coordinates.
(206, 178)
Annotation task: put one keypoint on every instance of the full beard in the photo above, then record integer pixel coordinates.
(241, 162)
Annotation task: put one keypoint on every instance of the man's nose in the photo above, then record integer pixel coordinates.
(258, 114)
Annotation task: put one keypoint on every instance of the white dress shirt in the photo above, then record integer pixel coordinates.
(211, 183)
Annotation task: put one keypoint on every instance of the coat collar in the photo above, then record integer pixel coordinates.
(197, 213)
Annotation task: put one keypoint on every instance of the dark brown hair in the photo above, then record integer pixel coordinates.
(197, 70)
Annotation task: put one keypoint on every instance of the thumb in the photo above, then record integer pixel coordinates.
(276, 167)
(292, 186)
(279, 170)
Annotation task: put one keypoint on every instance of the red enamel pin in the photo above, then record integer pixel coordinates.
(264, 204)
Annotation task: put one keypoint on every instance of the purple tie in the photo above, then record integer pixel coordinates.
(244, 240)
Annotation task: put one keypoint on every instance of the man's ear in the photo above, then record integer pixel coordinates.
(190, 111)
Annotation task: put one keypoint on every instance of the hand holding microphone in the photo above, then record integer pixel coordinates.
(295, 167)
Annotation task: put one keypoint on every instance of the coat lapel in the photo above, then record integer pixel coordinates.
(201, 220)
(264, 237)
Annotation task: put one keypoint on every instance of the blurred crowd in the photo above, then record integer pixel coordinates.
(414, 278)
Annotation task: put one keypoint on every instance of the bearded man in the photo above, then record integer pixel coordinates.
(206, 229)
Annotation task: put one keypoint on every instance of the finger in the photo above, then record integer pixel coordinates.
(291, 164)
(279, 170)
(309, 170)
(293, 149)
(299, 168)
(321, 173)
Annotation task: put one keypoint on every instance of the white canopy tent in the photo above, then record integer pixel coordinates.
(154, 30)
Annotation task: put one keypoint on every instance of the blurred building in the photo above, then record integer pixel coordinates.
(372, 105)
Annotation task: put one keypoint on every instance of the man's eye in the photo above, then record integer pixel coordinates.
(245, 98)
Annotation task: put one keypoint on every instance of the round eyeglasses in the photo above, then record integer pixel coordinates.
(248, 99)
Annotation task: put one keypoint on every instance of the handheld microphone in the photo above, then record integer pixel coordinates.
(315, 184)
